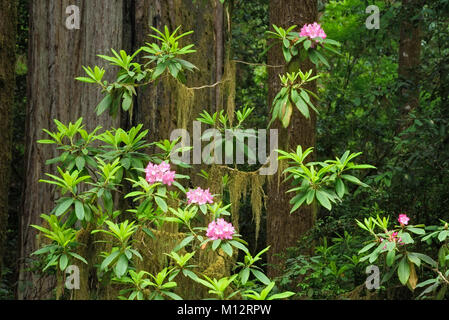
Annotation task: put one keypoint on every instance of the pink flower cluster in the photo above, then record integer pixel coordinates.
(403, 219)
(220, 229)
(159, 173)
(199, 196)
(392, 238)
(312, 31)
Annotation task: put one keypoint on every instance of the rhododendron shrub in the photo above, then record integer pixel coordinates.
(395, 249)
(84, 204)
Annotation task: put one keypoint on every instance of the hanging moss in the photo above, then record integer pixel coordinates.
(239, 184)
(185, 98)
(258, 199)
(229, 84)
(282, 165)
(215, 180)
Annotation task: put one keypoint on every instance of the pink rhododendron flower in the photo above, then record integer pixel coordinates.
(313, 31)
(392, 238)
(220, 229)
(199, 196)
(403, 219)
(159, 173)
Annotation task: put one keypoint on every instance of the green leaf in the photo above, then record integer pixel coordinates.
(79, 210)
(104, 104)
(184, 242)
(339, 187)
(122, 266)
(63, 261)
(85, 79)
(244, 275)
(300, 104)
(323, 60)
(77, 256)
(367, 247)
(46, 141)
(353, 180)
(161, 203)
(80, 162)
(215, 244)
(416, 230)
(160, 68)
(63, 206)
(442, 256)
(307, 44)
(310, 196)
(282, 295)
(239, 246)
(298, 201)
(148, 232)
(226, 248)
(443, 235)
(403, 271)
(426, 259)
(106, 262)
(127, 102)
(414, 258)
(44, 250)
(390, 257)
(323, 199)
(261, 276)
(172, 295)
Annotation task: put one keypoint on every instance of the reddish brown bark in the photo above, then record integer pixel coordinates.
(409, 56)
(56, 56)
(283, 228)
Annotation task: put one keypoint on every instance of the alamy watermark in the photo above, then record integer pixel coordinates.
(373, 21)
(72, 281)
(73, 21)
(373, 280)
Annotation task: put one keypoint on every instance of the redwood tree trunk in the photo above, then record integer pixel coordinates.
(409, 57)
(56, 56)
(283, 228)
(157, 106)
(8, 21)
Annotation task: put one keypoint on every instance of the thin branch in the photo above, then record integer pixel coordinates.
(260, 64)
(442, 276)
(208, 85)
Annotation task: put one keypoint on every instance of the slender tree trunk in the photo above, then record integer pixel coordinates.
(219, 50)
(8, 22)
(56, 55)
(409, 57)
(283, 228)
(158, 106)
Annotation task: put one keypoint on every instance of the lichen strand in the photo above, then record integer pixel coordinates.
(227, 88)
(239, 184)
(282, 165)
(215, 181)
(185, 98)
(258, 200)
